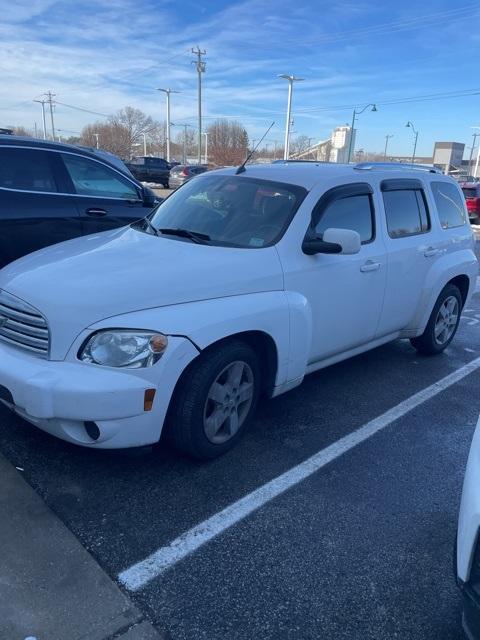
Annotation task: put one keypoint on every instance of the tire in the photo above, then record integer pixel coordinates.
(431, 342)
(165, 185)
(194, 424)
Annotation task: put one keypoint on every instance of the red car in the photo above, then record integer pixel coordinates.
(471, 191)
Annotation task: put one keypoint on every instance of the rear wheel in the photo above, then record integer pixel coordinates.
(442, 324)
(215, 401)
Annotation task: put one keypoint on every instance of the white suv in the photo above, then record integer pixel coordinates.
(240, 283)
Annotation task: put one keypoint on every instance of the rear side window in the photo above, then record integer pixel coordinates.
(353, 212)
(450, 205)
(406, 212)
(469, 193)
(92, 178)
(26, 170)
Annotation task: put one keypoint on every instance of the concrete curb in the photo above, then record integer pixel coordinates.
(50, 586)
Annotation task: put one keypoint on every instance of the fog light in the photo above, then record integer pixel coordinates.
(92, 430)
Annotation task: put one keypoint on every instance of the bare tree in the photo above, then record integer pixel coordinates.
(111, 137)
(132, 123)
(227, 142)
(21, 131)
(190, 141)
(299, 144)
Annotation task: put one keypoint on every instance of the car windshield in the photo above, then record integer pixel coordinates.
(231, 210)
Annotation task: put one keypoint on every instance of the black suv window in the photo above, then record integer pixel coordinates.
(157, 162)
(406, 212)
(353, 212)
(450, 205)
(91, 178)
(26, 170)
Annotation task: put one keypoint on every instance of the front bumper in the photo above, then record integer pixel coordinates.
(60, 397)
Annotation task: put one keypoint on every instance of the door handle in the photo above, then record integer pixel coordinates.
(98, 213)
(431, 251)
(370, 265)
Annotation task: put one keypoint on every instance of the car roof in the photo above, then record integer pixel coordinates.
(24, 141)
(308, 174)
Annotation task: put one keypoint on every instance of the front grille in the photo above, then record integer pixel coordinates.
(23, 326)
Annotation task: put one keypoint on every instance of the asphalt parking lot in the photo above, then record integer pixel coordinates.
(361, 548)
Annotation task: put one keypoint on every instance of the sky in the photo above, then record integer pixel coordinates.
(101, 55)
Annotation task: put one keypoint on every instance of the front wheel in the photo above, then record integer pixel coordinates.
(215, 401)
(442, 324)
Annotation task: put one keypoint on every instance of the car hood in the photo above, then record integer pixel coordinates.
(77, 283)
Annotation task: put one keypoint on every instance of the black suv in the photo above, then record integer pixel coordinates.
(149, 169)
(50, 192)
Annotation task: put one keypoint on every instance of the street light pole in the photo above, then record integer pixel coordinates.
(476, 164)
(185, 127)
(415, 133)
(475, 136)
(291, 79)
(205, 133)
(352, 128)
(387, 138)
(96, 138)
(167, 92)
(200, 65)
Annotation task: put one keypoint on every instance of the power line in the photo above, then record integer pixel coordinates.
(388, 27)
(461, 93)
(71, 106)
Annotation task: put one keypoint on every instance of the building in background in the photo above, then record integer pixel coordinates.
(334, 149)
(340, 143)
(448, 156)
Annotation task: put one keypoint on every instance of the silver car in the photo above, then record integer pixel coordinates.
(184, 172)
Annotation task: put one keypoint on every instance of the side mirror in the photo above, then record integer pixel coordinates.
(342, 241)
(149, 198)
(348, 240)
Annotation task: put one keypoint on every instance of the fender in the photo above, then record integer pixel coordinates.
(281, 316)
(445, 269)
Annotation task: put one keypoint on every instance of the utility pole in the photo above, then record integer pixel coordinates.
(387, 138)
(96, 139)
(145, 145)
(50, 101)
(42, 102)
(200, 65)
(475, 136)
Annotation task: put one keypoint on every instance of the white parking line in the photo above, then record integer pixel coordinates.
(140, 574)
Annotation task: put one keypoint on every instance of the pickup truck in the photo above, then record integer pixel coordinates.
(147, 169)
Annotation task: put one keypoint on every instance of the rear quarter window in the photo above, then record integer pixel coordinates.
(25, 169)
(451, 208)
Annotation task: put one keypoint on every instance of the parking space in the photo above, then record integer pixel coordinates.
(361, 548)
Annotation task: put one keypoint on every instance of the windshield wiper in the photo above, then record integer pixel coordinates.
(195, 236)
(153, 229)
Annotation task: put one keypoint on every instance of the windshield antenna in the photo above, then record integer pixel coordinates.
(241, 168)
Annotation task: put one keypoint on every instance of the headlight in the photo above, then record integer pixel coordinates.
(127, 348)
